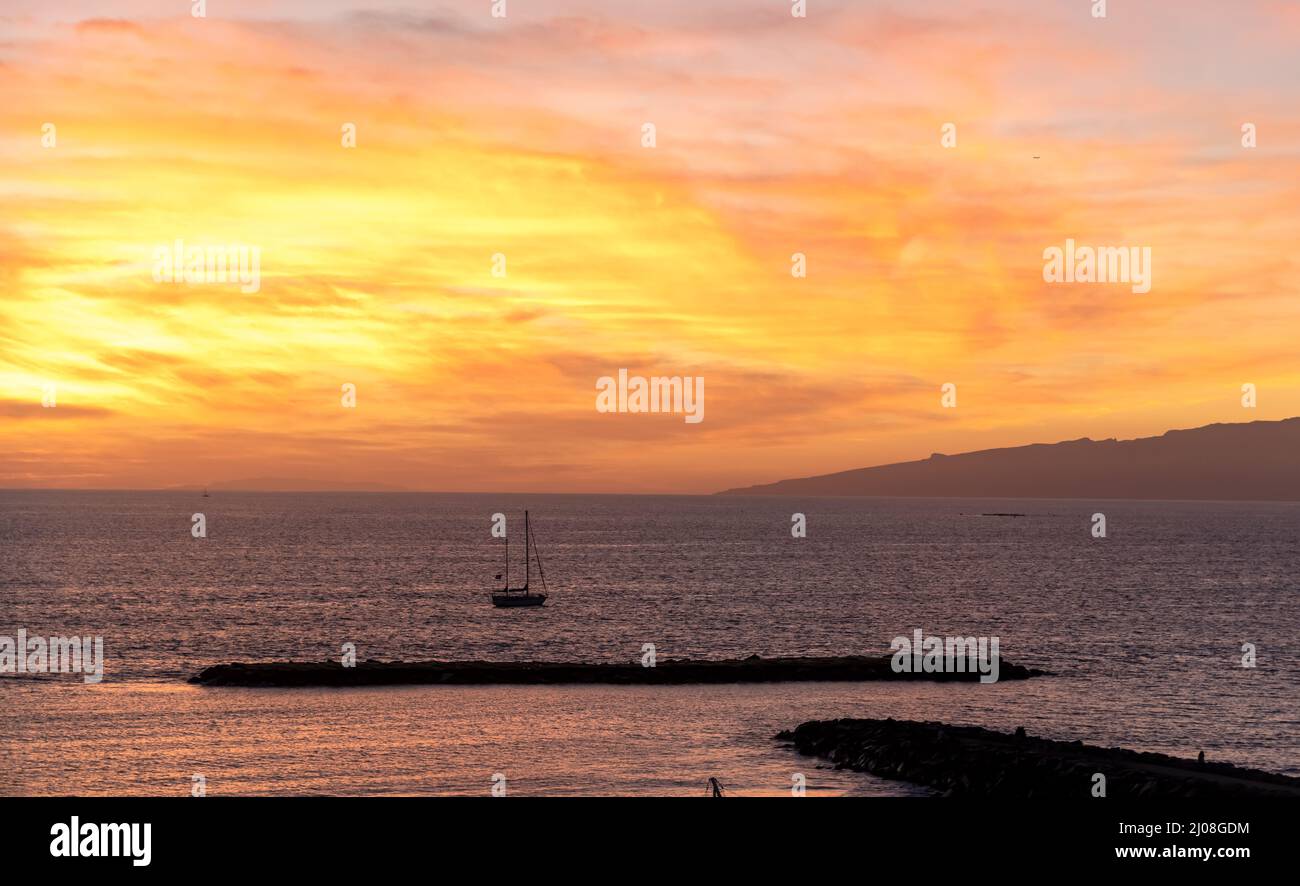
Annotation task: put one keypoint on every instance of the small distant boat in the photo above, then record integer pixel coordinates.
(508, 596)
(205, 493)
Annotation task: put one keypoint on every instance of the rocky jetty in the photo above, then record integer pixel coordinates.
(667, 671)
(966, 761)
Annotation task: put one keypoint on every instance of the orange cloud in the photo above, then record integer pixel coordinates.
(523, 138)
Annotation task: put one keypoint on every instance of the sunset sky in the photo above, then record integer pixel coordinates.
(523, 136)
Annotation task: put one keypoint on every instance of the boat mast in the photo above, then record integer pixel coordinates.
(527, 539)
(537, 552)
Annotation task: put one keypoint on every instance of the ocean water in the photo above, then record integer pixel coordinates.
(1142, 632)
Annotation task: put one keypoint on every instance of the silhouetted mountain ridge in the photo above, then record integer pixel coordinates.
(1251, 461)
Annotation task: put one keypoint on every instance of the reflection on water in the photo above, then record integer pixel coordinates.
(1141, 630)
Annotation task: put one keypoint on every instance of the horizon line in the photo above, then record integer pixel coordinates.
(717, 492)
(1239, 501)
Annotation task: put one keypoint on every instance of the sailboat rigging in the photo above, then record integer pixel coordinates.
(508, 596)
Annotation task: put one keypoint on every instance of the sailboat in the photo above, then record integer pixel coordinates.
(509, 596)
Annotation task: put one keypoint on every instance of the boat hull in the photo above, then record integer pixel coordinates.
(506, 601)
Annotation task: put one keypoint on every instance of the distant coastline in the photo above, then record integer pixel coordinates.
(1253, 461)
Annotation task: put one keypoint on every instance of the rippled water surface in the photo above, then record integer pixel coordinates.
(1142, 631)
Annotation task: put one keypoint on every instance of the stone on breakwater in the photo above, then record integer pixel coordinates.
(668, 671)
(973, 762)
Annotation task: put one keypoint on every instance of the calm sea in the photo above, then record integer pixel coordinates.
(1142, 630)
